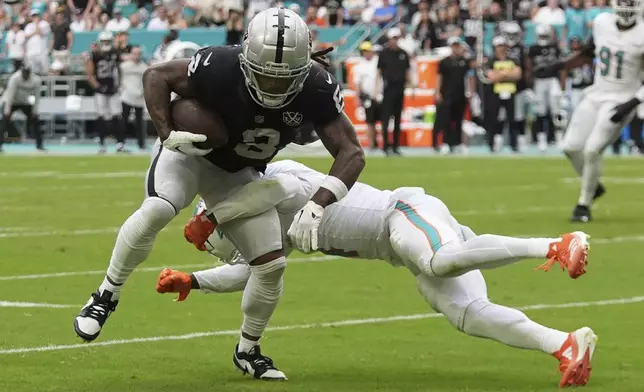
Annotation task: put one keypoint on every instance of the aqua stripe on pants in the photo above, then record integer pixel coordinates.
(430, 231)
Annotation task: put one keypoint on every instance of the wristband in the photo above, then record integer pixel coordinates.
(335, 186)
(639, 95)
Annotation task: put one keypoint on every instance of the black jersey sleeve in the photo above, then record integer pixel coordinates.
(533, 50)
(325, 97)
(211, 67)
(589, 47)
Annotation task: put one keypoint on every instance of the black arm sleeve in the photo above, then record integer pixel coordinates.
(589, 47)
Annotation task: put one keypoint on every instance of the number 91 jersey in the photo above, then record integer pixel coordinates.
(255, 133)
(619, 56)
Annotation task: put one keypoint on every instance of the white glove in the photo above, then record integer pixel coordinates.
(181, 141)
(304, 229)
(530, 95)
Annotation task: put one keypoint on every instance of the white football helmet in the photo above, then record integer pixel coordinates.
(276, 57)
(544, 34)
(105, 39)
(627, 11)
(512, 33)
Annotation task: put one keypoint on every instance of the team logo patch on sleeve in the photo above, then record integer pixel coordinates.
(292, 119)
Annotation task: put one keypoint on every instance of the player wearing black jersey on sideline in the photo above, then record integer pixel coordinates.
(264, 90)
(547, 86)
(102, 73)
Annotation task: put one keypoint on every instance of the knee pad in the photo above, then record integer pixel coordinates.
(469, 318)
(156, 213)
(264, 288)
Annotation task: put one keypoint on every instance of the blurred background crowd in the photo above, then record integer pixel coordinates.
(55, 38)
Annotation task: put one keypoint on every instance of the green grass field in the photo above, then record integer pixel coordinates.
(60, 215)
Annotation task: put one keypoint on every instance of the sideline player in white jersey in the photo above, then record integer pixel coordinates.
(611, 101)
(404, 227)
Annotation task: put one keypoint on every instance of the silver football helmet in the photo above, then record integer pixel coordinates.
(512, 33)
(544, 34)
(627, 11)
(105, 39)
(276, 57)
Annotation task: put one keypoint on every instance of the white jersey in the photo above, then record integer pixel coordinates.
(619, 56)
(356, 226)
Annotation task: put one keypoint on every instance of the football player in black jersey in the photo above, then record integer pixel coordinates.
(547, 87)
(264, 90)
(102, 72)
(513, 35)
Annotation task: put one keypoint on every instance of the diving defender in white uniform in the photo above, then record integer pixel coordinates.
(404, 227)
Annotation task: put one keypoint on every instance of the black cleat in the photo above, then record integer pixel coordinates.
(581, 214)
(259, 366)
(89, 322)
(599, 192)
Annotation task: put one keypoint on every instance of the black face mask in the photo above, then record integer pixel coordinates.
(26, 73)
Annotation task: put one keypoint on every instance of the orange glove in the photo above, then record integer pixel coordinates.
(171, 281)
(198, 229)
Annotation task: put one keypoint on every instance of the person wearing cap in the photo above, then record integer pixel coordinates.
(118, 23)
(15, 45)
(364, 77)
(62, 38)
(22, 94)
(36, 36)
(502, 74)
(450, 97)
(394, 68)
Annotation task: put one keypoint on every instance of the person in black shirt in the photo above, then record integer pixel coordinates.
(394, 67)
(450, 95)
(502, 73)
(62, 38)
(425, 32)
(513, 34)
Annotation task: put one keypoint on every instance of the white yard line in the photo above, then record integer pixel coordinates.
(12, 304)
(151, 269)
(332, 324)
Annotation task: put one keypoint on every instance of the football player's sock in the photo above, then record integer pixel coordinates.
(484, 252)
(577, 160)
(589, 177)
(246, 344)
(101, 127)
(509, 326)
(134, 241)
(223, 279)
(262, 292)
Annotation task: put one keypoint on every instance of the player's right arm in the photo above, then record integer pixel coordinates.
(576, 60)
(90, 69)
(159, 81)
